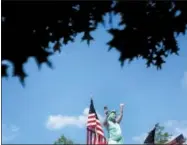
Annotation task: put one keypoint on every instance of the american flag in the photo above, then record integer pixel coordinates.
(177, 141)
(150, 139)
(95, 133)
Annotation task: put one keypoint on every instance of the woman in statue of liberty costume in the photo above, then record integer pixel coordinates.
(112, 123)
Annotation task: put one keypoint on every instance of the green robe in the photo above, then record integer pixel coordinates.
(115, 134)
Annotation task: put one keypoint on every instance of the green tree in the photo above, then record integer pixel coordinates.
(149, 33)
(63, 140)
(161, 136)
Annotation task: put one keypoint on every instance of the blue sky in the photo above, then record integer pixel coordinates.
(55, 101)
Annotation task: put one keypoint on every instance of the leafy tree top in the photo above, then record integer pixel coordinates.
(150, 29)
(63, 140)
(161, 136)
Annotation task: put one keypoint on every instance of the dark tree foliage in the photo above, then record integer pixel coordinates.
(150, 29)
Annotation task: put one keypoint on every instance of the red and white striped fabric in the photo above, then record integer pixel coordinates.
(179, 140)
(95, 133)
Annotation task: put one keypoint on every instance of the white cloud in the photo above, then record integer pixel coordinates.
(174, 127)
(9, 133)
(14, 128)
(55, 122)
(184, 80)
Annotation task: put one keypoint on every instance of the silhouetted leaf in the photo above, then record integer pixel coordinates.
(20, 73)
(87, 37)
(57, 46)
(42, 57)
(4, 68)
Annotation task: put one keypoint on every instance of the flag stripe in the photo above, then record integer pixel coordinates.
(99, 132)
(178, 140)
(88, 134)
(94, 138)
(92, 119)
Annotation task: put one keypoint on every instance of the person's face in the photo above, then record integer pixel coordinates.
(113, 116)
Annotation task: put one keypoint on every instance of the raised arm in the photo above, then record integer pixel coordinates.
(119, 118)
(105, 123)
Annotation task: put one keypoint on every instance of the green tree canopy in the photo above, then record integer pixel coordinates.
(150, 29)
(63, 140)
(161, 136)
